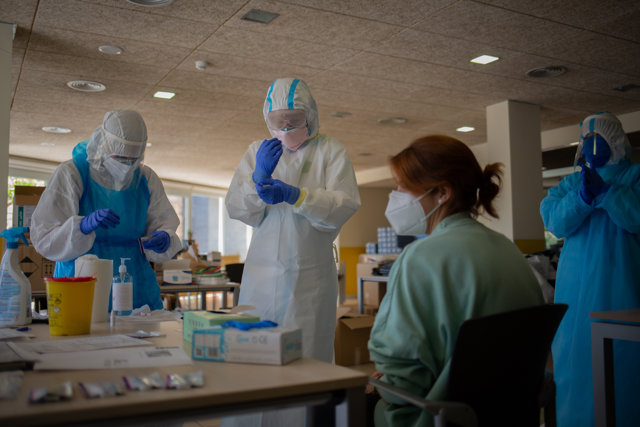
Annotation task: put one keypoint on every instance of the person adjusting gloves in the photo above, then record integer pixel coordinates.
(296, 189)
(596, 211)
(103, 201)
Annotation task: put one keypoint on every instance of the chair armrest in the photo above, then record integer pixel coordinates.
(442, 411)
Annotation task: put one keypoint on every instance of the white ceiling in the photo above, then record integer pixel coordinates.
(373, 59)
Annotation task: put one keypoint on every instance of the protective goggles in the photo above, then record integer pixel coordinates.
(125, 160)
(286, 120)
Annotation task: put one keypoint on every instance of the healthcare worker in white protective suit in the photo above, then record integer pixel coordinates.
(297, 190)
(102, 201)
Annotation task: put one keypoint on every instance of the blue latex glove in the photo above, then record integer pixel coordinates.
(159, 242)
(266, 159)
(104, 218)
(274, 191)
(592, 184)
(246, 326)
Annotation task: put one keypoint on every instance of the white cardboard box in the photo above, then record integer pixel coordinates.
(271, 346)
(177, 277)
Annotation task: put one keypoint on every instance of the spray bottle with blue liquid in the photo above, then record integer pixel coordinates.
(15, 288)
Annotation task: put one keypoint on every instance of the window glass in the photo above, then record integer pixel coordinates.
(237, 237)
(178, 203)
(205, 222)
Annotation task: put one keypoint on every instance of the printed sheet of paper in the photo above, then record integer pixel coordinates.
(81, 344)
(117, 358)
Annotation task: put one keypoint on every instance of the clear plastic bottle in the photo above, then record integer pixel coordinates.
(15, 288)
(122, 291)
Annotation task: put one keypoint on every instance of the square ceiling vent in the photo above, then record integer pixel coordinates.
(261, 16)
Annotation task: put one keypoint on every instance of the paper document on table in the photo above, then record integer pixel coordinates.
(81, 344)
(120, 358)
(10, 334)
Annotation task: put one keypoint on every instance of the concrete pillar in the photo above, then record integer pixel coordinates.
(513, 134)
(6, 44)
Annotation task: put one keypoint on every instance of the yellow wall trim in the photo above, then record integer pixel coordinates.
(351, 255)
(530, 246)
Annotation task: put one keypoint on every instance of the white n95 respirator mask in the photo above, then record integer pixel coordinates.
(406, 215)
(119, 171)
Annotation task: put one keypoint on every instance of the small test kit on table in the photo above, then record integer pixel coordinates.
(264, 345)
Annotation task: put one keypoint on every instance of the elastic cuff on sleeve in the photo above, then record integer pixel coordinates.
(301, 197)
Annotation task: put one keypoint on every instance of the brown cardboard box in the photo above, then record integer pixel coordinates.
(364, 269)
(25, 199)
(34, 266)
(373, 292)
(352, 336)
(351, 306)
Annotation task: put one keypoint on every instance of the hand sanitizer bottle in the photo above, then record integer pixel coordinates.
(122, 291)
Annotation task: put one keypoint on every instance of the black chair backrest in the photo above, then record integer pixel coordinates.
(499, 361)
(234, 272)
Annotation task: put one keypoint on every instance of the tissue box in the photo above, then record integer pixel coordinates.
(204, 319)
(271, 346)
(177, 277)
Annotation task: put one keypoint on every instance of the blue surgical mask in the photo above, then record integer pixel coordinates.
(596, 151)
(405, 213)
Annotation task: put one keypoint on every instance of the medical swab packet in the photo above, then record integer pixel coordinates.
(184, 381)
(102, 389)
(143, 382)
(57, 393)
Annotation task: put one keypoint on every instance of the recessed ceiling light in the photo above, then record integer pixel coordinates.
(86, 86)
(261, 16)
(465, 129)
(484, 59)
(392, 121)
(110, 49)
(340, 114)
(574, 143)
(201, 65)
(164, 95)
(55, 129)
(550, 71)
(151, 3)
(149, 144)
(47, 144)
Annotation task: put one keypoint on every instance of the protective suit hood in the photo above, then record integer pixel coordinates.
(122, 133)
(290, 94)
(610, 128)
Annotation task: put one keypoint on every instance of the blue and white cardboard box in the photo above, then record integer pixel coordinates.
(271, 346)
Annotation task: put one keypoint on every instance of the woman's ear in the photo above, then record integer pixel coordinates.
(444, 193)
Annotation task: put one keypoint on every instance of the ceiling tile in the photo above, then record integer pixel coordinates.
(111, 21)
(496, 27)
(81, 44)
(390, 11)
(275, 49)
(591, 14)
(246, 68)
(212, 12)
(91, 69)
(326, 28)
(596, 50)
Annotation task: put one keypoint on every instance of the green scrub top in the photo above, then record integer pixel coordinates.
(462, 270)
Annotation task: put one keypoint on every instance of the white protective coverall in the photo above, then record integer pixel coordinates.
(290, 273)
(55, 225)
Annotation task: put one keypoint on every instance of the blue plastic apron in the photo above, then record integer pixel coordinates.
(131, 205)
